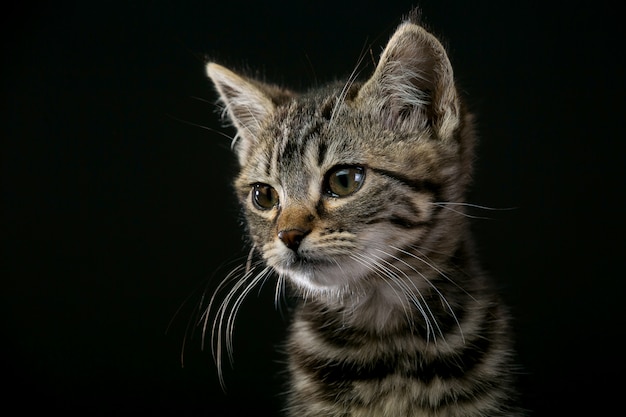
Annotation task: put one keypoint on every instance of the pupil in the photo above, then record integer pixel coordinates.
(343, 179)
(264, 196)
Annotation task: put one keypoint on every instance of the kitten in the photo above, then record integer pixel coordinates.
(353, 194)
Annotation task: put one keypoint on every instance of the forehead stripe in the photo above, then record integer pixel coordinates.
(322, 149)
(293, 147)
(415, 185)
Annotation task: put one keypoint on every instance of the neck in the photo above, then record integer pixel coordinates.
(423, 293)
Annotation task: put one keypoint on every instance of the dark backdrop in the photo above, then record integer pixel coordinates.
(117, 206)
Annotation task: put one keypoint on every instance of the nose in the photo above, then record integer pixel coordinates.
(292, 237)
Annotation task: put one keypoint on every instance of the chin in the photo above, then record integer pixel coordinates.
(333, 279)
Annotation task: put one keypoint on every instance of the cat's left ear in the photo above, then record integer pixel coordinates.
(413, 84)
(247, 103)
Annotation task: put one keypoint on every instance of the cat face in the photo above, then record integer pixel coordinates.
(337, 182)
(323, 200)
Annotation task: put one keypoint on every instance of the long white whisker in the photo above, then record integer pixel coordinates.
(262, 276)
(387, 274)
(344, 92)
(447, 206)
(232, 276)
(218, 325)
(191, 323)
(280, 294)
(187, 122)
(425, 309)
(469, 216)
(454, 203)
(434, 267)
(225, 306)
(244, 279)
(433, 286)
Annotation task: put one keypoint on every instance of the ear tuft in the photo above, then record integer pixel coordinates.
(247, 104)
(413, 84)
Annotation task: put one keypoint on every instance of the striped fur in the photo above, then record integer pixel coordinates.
(397, 318)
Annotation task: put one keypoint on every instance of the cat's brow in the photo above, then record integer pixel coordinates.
(414, 184)
(322, 149)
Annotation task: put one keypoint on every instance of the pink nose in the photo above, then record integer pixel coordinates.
(292, 237)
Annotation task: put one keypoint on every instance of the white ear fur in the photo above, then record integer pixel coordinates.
(413, 84)
(246, 105)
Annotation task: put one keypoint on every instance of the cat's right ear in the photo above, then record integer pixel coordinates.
(413, 84)
(247, 104)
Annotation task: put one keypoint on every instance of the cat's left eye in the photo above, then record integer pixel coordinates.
(264, 197)
(343, 180)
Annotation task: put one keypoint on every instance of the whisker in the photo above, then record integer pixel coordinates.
(351, 79)
(249, 259)
(429, 282)
(469, 216)
(279, 294)
(187, 122)
(187, 326)
(434, 267)
(425, 309)
(446, 205)
(203, 100)
(232, 276)
(385, 273)
(453, 203)
(197, 312)
(230, 324)
(243, 280)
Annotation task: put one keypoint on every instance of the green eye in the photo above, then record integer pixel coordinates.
(264, 197)
(343, 180)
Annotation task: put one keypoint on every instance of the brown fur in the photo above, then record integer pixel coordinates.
(397, 319)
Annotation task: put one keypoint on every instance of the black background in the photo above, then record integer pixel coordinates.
(117, 204)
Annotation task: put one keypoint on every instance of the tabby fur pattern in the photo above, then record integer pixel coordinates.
(354, 197)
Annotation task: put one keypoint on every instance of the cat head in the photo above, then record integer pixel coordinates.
(338, 181)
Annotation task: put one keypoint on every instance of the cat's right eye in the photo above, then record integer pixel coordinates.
(264, 197)
(343, 180)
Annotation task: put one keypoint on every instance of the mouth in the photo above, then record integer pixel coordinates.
(315, 274)
(299, 262)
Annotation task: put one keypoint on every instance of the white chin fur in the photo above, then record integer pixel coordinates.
(369, 304)
(327, 279)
